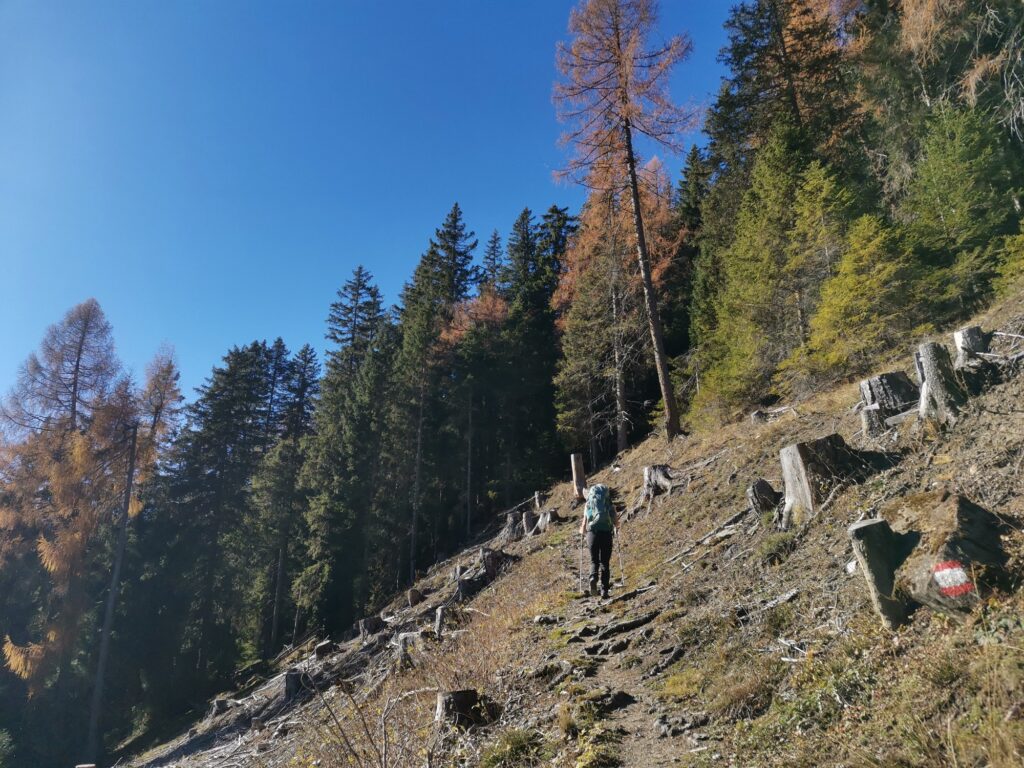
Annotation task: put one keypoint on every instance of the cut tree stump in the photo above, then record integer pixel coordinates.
(414, 597)
(530, 522)
(875, 547)
(659, 478)
(513, 530)
(811, 471)
(324, 649)
(439, 616)
(941, 397)
(976, 372)
(579, 477)
(292, 683)
(464, 709)
(762, 498)
(884, 396)
(547, 518)
(958, 550)
(491, 561)
(371, 625)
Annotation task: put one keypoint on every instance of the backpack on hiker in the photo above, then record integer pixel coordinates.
(598, 512)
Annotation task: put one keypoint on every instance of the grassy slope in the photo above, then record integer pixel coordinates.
(814, 681)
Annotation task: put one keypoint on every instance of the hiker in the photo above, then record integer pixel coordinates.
(599, 523)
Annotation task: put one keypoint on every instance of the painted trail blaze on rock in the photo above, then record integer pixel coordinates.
(952, 579)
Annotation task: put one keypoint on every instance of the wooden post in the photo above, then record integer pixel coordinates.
(579, 477)
(536, 500)
(439, 621)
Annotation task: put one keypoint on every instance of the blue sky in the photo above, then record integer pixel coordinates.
(212, 171)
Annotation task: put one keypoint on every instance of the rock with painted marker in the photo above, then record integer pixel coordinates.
(957, 553)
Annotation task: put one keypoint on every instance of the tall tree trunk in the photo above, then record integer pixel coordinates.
(416, 489)
(621, 435)
(93, 738)
(668, 395)
(275, 621)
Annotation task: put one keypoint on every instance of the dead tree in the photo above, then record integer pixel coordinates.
(885, 396)
(579, 477)
(942, 396)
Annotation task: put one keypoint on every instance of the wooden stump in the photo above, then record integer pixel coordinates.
(468, 586)
(458, 572)
(579, 477)
(491, 561)
(958, 550)
(439, 616)
(464, 709)
(941, 394)
(885, 396)
(810, 472)
(659, 478)
(513, 530)
(371, 625)
(975, 371)
(762, 498)
(875, 547)
(530, 519)
(324, 649)
(414, 597)
(405, 641)
(547, 518)
(292, 683)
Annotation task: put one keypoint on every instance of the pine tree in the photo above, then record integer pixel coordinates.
(493, 261)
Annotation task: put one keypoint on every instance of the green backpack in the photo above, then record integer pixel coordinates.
(599, 509)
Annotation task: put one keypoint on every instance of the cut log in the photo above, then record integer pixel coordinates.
(941, 397)
(369, 626)
(762, 498)
(464, 709)
(811, 471)
(414, 597)
(958, 550)
(875, 548)
(547, 518)
(579, 477)
(884, 396)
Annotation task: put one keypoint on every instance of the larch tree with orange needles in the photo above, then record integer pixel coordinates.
(613, 88)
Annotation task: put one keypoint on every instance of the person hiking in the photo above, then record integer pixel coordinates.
(599, 523)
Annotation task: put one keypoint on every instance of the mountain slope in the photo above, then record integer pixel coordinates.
(754, 647)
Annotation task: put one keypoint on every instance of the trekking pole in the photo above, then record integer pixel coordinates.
(581, 562)
(622, 573)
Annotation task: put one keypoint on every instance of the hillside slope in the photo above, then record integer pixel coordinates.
(752, 648)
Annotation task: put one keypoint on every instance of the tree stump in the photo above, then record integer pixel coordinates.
(885, 396)
(468, 586)
(659, 478)
(439, 616)
(958, 550)
(458, 572)
(975, 371)
(371, 625)
(762, 498)
(579, 477)
(414, 597)
(513, 530)
(464, 709)
(404, 642)
(876, 548)
(491, 561)
(810, 471)
(530, 522)
(547, 518)
(292, 683)
(324, 649)
(941, 394)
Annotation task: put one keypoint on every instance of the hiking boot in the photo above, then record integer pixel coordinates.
(604, 593)
(593, 587)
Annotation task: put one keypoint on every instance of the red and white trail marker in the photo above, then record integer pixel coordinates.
(952, 579)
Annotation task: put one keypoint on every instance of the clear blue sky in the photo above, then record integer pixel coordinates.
(211, 172)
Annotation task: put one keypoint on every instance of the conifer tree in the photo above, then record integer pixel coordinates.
(614, 87)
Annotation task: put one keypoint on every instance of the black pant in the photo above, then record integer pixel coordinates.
(600, 543)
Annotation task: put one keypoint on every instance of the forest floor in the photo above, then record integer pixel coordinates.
(755, 648)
